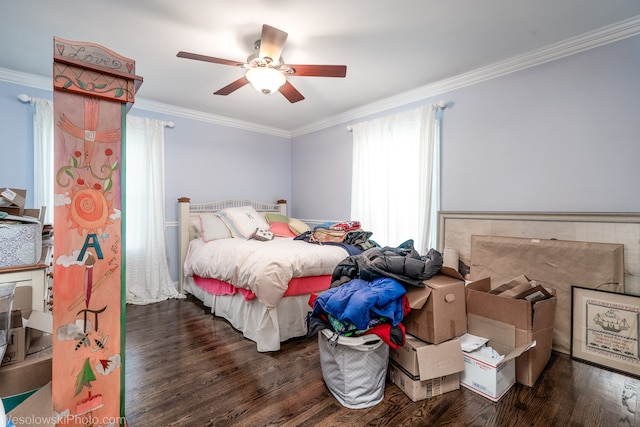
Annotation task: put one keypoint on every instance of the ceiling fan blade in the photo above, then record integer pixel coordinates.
(205, 58)
(272, 42)
(232, 86)
(290, 92)
(318, 70)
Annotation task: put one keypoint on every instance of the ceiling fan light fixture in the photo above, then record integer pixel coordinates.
(266, 70)
(265, 79)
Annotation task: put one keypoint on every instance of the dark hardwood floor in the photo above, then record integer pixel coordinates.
(185, 367)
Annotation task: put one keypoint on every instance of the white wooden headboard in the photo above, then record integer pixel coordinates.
(187, 211)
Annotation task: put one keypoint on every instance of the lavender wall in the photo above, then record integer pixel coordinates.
(207, 162)
(16, 137)
(561, 136)
(321, 174)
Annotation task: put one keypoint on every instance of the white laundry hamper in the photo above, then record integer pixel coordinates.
(354, 368)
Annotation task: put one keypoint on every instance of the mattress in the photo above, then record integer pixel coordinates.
(20, 242)
(264, 268)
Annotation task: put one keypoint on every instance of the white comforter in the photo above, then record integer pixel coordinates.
(263, 267)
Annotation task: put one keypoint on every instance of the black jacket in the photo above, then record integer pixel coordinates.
(403, 263)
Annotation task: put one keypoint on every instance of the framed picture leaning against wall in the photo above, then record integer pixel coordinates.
(605, 327)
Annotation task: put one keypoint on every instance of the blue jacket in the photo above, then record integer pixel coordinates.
(358, 300)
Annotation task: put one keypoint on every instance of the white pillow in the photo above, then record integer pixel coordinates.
(195, 230)
(243, 221)
(212, 227)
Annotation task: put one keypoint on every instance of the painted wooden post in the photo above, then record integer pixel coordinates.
(93, 90)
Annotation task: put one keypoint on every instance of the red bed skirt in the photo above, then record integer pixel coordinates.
(297, 286)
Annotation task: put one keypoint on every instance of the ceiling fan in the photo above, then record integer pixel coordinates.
(266, 71)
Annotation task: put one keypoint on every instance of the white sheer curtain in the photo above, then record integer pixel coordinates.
(395, 182)
(147, 270)
(43, 157)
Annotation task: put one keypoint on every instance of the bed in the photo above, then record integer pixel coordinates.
(261, 286)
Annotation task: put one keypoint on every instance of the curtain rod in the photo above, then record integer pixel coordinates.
(23, 97)
(440, 106)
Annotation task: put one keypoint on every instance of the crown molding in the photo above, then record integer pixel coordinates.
(175, 111)
(619, 31)
(45, 83)
(24, 79)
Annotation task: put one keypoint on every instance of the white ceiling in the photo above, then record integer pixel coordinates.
(391, 48)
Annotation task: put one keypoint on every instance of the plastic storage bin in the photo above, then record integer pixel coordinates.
(6, 302)
(354, 368)
(20, 242)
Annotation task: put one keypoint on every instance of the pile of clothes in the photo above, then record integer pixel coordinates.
(367, 293)
(348, 234)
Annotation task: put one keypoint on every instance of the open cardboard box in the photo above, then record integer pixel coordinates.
(438, 311)
(17, 338)
(30, 374)
(36, 410)
(557, 264)
(490, 377)
(34, 370)
(424, 370)
(30, 330)
(533, 321)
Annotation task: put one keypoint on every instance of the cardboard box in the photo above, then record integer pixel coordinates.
(490, 377)
(424, 370)
(533, 321)
(16, 340)
(40, 322)
(23, 300)
(34, 213)
(32, 373)
(424, 361)
(16, 346)
(30, 367)
(26, 338)
(20, 337)
(12, 201)
(36, 410)
(554, 263)
(420, 390)
(438, 312)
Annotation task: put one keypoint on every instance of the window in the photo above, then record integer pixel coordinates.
(148, 278)
(395, 183)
